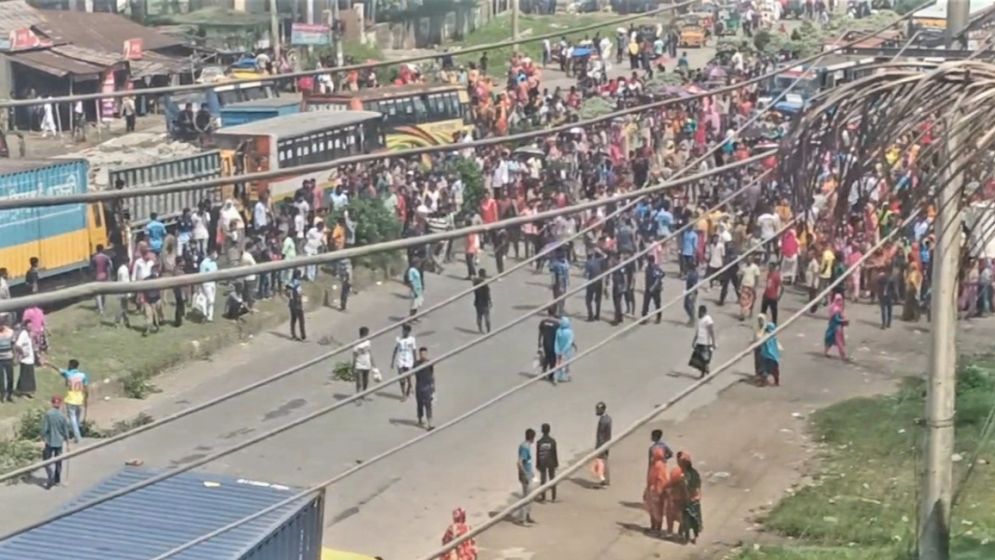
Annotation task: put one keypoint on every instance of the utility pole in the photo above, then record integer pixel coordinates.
(941, 395)
(934, 514)
(336, 34)
(514, 23)
(274, 30)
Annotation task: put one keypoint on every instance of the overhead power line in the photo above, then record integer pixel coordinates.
(348, 68)
(108, 288)
(548, 250)
(100, 196)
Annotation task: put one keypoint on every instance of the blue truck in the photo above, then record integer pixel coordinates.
(258, 109)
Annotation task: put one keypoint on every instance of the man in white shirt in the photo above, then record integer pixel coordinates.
(313, 245)
(209, 289)
(249, 286)
(404, 358)
(748, 288)
(362, 361)
(123, 276)
(260, 215)
(25, 352)
(143, 267)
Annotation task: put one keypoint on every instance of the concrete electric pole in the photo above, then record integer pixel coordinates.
(515, 8)
(274, 30)
(336, 33)
(934, 515)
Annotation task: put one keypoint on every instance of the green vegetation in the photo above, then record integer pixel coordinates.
(499, 29)
(862, 504)
(594, 107)
(473, 185)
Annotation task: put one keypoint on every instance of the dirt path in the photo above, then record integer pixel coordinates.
(750, 447)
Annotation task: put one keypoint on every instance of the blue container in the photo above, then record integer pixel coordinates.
(257, 110)
(151, 521)
(57, 235)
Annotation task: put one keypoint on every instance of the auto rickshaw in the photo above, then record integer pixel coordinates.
(692, 32)
(731, 23)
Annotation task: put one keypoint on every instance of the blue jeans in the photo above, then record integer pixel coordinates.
(76, 417)
(886, 311)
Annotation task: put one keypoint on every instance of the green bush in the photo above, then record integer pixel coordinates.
(138, 386)
(17, 453)
(342, 371)
(29, 424)
(374, 222)
(473, 185)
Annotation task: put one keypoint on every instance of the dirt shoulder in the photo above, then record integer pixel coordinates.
(751, 447)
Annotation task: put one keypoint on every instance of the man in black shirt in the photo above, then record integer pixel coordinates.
(482, 301)
(653, 286)
(547, 343)
(630, 287)
(618, 280)
(547, 460)
(592, 295)
(424, 387)
(603, 435)
(32, 277)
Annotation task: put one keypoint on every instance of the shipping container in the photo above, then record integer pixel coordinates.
(258, 109)
(169, 206)
(162, 516)
(62, 237)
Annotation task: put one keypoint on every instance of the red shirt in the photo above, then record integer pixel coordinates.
(773, 289)
(489, 211)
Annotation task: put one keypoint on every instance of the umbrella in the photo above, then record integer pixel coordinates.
(716, 73)
(582, 51)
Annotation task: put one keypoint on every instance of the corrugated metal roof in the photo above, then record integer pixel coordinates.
(299, 123)
(157, 518)
(282, 101)
(17, 14)
(101, 30)
(54, 63)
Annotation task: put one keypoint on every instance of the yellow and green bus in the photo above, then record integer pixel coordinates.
(413, 115)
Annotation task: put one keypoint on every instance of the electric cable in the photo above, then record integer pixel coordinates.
(640, 321)
(167, 475)
(397, 154)
(346, 68)
(110, 288)
(420, 313)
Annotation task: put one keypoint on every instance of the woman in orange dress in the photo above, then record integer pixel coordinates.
(466, 550)
(654, 497)
(686, 484)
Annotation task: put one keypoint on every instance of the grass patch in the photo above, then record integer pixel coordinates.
(862, 504)
(499, 29)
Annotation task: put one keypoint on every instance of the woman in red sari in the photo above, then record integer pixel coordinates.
(466, 550)
(654, 497)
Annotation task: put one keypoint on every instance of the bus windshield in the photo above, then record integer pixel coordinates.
(806, 87)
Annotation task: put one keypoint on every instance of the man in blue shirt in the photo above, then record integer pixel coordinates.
(664, 221)
(560, 269)
(414, 281)
(594, 267)
(526, 473)
(689, 248)
(156, 232)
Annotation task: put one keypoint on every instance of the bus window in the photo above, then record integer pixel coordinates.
(421, 110)
(455, 106)
(406, 107)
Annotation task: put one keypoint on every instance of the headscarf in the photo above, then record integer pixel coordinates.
(836, 306)
(466, 550)
(760, 326)
(690, 473)
(771, 349)
(564, 337)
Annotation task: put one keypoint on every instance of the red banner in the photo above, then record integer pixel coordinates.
(22, 39)
(133, 49)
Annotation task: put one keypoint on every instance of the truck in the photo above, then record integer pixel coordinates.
(63, 237)
(258, 109)
(168, 513)
(169, 206)
(214, 99)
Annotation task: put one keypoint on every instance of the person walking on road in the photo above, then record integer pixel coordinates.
(685, 484)
(295, 302)
(565, 346)
(748, 288)
(560, 270)
(773, 290)
(362, 361)
(656, 437)
(77, 389)
(466, 550)
(618, 281)
(654, 496)
(834, 330)
(886, 290)
(6, 361)
(770, 356)
(653, 286)
(704, 342)
(547, 459)
(594, 267)
(691, 294)
(603, 434)
(209, 289)
(54, 434)
(413, 278)
(526, 474)
(482, 301)
(403, 358)
(424, 388)
(548, 329)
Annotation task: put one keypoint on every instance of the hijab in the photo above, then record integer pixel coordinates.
(564, 337)
(771, 349)
(656, 478)
(690, 473)
(836, 306)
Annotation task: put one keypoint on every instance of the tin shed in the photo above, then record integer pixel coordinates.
(167, 514)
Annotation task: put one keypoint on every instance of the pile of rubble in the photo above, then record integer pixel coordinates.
(130, 150)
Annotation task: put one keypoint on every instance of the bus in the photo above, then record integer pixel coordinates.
(292, 140)
(215, 98)
(414, 115)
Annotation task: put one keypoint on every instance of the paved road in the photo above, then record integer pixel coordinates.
(471, 465)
